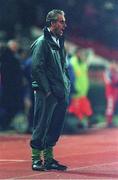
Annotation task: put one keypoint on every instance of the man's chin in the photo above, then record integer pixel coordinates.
(61, 34)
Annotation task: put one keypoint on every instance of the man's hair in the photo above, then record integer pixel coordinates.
(52, 16)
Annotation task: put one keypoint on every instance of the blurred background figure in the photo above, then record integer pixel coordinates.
(71, 75)
(111, 89)
(26, 62)
(11, 101)
(13, 45)
(80, 105)
(16, 97)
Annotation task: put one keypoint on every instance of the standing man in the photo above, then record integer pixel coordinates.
(51, 88)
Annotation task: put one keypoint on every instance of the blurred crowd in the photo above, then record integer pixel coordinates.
(16, 98)
(16, 95)
(82, 97)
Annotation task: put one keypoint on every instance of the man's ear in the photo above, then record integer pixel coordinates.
(52, 23)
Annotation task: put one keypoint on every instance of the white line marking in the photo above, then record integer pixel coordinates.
(63, 156)
(71, 169)
(95, 165)
(14, 160)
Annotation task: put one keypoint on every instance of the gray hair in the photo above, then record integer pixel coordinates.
(52, 16)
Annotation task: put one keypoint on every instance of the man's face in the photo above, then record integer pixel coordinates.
(59, 26)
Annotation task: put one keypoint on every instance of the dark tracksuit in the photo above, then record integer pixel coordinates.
(49, 74)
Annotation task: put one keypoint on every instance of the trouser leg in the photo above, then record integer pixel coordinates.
(56, 124)
(44, 108)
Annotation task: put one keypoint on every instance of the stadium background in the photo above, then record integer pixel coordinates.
(92, 25)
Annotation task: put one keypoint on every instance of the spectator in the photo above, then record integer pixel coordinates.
(26, 64)
(80, 105)
(13, 45)
(12, 86)
(111, 87)
(71, 76)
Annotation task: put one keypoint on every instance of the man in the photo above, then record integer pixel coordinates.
(52, 87)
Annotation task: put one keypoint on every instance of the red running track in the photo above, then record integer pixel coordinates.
(93, 155)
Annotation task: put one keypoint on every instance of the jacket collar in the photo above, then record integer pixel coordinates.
(48, 37)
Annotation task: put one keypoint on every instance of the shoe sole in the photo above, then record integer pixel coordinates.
(46, 169)
(41, 169)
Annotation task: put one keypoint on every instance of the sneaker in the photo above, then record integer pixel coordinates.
(37, 165)
(54, 165)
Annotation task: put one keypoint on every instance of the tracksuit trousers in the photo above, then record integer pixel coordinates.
(49, 114)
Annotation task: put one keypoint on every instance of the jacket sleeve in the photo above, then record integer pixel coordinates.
(39, 66)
